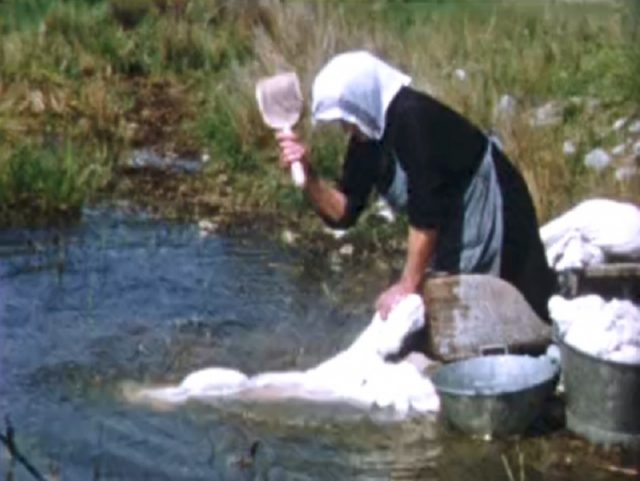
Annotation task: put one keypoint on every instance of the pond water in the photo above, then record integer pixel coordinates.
(122, 297)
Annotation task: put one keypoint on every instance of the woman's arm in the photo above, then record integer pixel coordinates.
(328, 202)
(420, 247)
(338, 207)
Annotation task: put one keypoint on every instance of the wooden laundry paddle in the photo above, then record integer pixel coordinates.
(280, 103)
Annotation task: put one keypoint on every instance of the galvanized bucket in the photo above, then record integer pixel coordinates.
(496, 395)
(602, 398)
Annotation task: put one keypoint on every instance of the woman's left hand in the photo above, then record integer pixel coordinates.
(392, 296)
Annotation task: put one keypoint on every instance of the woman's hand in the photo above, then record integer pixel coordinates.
(420, 246)
(392, 296)
(291, 150)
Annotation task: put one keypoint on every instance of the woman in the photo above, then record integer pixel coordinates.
(468, 208)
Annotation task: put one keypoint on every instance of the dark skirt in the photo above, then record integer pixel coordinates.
(523, 261)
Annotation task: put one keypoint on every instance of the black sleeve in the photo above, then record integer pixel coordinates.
(427, 186)
(359, 173)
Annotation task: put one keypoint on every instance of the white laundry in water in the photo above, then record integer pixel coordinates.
(609, 330)
(359, 375)
(591, 233)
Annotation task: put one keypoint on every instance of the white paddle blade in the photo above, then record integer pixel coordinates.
(280, 102)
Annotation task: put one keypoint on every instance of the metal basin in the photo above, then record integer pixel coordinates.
(495, 395)
(602, 398)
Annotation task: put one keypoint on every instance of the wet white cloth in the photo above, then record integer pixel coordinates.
(609, 330)
(356, 87)
(592, 233)
(359, 375)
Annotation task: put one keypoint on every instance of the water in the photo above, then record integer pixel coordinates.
(122, 297)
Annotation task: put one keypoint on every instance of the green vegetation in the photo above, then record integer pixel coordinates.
(83, 82)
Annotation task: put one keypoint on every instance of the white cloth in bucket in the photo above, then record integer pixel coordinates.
(609, 330)
(359, 375)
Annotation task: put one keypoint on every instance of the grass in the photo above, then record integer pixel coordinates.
(101, 77)
(47, 181)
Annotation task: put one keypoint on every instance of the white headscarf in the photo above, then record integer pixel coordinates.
(356, 87)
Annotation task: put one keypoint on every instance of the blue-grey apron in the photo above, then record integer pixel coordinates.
(482, 229)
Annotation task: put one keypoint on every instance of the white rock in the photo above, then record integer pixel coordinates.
(597, 159)
(634, 128)
(619, 149)
(206, 227)
(460, 74)
(626, 172)
(336, 233)
(506, 108)
(618, 124)
(636, 150)
(568, 148)
(346, 250)
(592, 105)
(289, 237)
(547, 115)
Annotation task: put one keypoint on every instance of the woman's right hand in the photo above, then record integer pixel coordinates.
(291, 150)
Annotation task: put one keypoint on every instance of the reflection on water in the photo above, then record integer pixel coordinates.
(122, 297)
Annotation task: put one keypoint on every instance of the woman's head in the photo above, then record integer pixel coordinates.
(356, 88)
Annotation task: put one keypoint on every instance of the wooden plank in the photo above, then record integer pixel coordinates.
(614, 280)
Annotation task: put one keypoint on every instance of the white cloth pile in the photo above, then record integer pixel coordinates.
(608, 330)
(359, 375)
(592, 233)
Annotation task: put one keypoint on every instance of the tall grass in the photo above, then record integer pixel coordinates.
(79, 70)
(50, 182)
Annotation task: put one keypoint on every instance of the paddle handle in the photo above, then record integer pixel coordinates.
(297, 170)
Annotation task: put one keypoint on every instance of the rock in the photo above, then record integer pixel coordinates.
(506, 108)
(619, 149)
(547, 115)
(470, 312)
(597, 159)
(626, 172)
(36, 99)
(592, 105)
(289, 237)
(618, 124)
(166, 162)
(568, 148)
(634, 128)
(346, 250)
(207, 227)
(460, 74)
(636, 151)
(336, 233)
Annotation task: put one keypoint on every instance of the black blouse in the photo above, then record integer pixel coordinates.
(438, 149)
